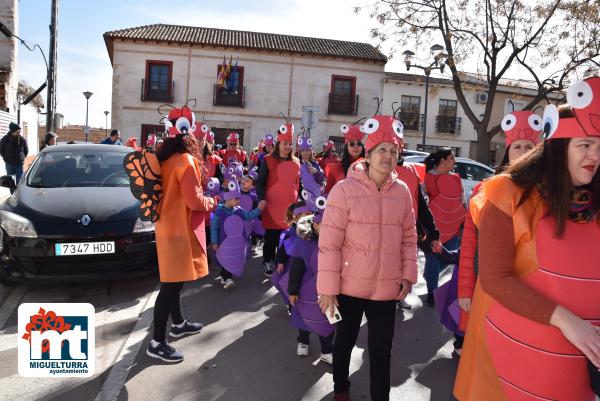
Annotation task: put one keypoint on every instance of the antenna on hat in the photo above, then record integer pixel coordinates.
(539, 106)
(511, 104)
(165, 105)
(358, 121)
(379, 102)
(287, 120)
(395, 111)
(189, 100)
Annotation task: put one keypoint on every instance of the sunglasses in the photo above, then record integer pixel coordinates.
(357, 143)
(232, 144)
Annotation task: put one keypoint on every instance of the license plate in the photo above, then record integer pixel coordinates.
(84, 248)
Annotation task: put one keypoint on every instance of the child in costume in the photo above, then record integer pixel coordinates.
(302, 289)
(228, 239)
(307, 159)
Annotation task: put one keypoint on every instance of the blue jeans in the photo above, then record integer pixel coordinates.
(434, 266)
(16, 170)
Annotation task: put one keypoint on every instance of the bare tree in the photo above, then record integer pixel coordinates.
(554, 41)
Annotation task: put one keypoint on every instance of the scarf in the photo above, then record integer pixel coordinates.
(580, 209)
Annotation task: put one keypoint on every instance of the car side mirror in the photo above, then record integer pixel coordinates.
(7, 181)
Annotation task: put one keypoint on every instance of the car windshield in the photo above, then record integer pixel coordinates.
(91, 168)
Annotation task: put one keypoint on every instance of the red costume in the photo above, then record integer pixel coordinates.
(235, 153)
(334, 170)
(445, 193)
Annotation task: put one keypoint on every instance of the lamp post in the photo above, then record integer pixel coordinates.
(87, 104)
(437, 64)
(106, 122)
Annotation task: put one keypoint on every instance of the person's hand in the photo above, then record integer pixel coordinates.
(214, 247)
(436, 246)
(312, 169)
(582, 334)
(405, 289)
(262, 205)
(279, 268)
(465, 304)
(293, 299)
(327, 303)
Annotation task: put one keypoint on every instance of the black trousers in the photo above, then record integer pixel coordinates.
(270, 245)
(326, 342)
(168, 302)
(381, 318)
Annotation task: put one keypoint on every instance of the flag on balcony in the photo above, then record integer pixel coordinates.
(233, 80)
(222, 75)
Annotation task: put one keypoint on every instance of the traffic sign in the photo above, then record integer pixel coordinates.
(310, 119)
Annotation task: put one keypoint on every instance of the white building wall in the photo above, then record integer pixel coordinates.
(9, 15)
(393, 91)
(273, 83)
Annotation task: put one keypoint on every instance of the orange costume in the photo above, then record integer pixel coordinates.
(182, 253)
(506, 355)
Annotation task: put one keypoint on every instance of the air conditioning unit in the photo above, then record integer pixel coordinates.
(481, 97)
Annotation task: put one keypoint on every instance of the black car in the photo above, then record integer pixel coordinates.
(73, 218)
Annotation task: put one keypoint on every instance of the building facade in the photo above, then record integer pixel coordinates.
(276, 74)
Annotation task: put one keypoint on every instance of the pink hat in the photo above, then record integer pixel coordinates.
(352, 133)
(522, 124)
(286, 133)
(556, 128)
(233, 138)
(201, 131)
(210, 137)
(381, 129)
(584, 98)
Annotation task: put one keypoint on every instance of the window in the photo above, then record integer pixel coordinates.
(148, 129)
(446, 121)
(410, 112)
(342, 98)
(221, 135)
(233, 92)
(158, 84)
(473, 172)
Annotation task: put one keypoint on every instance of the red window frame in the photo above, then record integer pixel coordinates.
(147, 79)
(352, 80)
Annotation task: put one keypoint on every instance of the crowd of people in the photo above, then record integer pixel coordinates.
(341, 235)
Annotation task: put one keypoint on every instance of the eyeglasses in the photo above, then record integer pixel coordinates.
(357, 143)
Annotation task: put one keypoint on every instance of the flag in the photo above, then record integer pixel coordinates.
(221, 75)
(233, 80)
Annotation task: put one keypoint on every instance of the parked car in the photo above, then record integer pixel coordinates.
(73, 218)
(409, 152)
(471, 172)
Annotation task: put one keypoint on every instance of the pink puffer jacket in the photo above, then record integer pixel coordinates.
(368, 239)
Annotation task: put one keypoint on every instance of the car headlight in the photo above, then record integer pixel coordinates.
(16, 225)
(142, 226)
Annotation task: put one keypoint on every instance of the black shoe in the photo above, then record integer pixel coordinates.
(430, 301)
(267, 269)
(188, 328)
(164, 352)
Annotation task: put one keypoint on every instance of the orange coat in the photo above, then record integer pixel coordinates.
(181, 243)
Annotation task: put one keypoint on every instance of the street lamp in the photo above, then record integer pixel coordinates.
(87, 104)
(437, 64)
(106, 122)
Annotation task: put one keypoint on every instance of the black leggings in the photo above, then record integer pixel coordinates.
(168, 302)
(381, 317)
(270, 245)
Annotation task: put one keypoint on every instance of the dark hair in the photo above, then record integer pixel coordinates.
(49, 137)
(311, 157)
(277, 153)
(179, 144)
(347, 158)
(114, 132)
(546, 169)
(505, 161)
(434, 158)
(289, 213)
(207, 150)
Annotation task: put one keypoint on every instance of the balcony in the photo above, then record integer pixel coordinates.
(412, 121)
(343, 105)
(221, 97)
(148, 94)
(447, 124)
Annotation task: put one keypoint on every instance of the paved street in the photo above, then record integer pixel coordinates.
(245, 352)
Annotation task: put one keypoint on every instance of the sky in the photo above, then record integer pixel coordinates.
(83, 62)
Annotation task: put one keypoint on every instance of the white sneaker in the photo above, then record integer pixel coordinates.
(327, 358)
(229, 283)
(404, 305)
(302, 350)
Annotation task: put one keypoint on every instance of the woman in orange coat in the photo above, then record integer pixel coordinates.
(536, 306)
(181, 244)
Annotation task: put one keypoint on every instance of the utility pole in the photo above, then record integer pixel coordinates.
(51, 95)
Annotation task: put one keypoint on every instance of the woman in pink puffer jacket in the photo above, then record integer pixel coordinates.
(368, 255)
